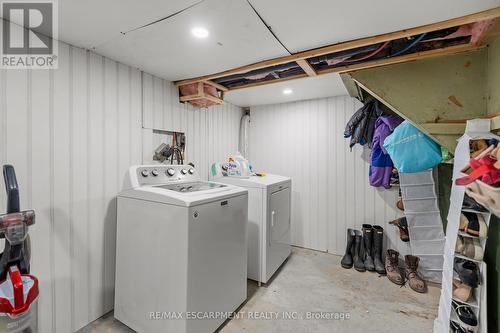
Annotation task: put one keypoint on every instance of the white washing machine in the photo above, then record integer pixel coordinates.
(181, 253)
(268, 222)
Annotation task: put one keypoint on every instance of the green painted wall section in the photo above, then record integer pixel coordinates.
(442, 87)
(493, 74)
(423, 91)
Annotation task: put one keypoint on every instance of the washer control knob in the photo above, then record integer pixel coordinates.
(191, 171)
(155, 172)
(145, 173)
(184, 171)
(170, 172)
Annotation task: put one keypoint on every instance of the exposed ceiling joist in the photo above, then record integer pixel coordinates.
(406, 58)
(307, 67)
(484, 15)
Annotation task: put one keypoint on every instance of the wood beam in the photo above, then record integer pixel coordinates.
(306, 67)
(444, 128)
(188, 98)
(213, 99)
(216, 85)
(495, 123)
(405, 58)
(484, 15)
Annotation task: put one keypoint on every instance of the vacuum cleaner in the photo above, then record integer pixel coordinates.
(18, 288)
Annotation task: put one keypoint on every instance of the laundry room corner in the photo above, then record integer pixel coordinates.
(202, 166)
(300, 139)
(72, 134)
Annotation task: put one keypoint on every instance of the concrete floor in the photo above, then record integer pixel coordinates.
(312, 281)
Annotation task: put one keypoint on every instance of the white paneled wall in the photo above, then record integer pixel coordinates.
(71, 134)
(330, 189)
(211, 134)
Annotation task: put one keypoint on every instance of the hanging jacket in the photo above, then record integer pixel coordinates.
(361, 125)
(380, 161)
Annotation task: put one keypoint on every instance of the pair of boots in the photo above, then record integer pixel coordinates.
(364, 249)
(410, 273)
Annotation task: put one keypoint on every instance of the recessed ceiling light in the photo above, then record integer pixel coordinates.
(200, 32)
(287, 91)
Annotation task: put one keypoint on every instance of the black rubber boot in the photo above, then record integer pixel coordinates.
(378, 243)
(347, 261)
(368, 242)
(359, 252)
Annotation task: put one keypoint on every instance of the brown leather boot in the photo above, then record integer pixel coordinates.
(392, 267)
(402, 225)
(414, 280)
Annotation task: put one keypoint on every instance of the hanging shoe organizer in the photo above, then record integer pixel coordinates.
(424, 222)
(475, 129)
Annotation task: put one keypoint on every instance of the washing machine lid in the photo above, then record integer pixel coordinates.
(255, 181)
(184, 193)
(190, 187)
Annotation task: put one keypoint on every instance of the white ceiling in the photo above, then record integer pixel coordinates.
(167, 48)
(237, 36)
(303, 25)
(307, 88)
(88, 23)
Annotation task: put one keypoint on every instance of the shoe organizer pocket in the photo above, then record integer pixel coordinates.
(418, 191)
(423, 219)
(417, 178)
(426, 247)
(421, 205)
(426, 233)
(430, 262)
(432, 275)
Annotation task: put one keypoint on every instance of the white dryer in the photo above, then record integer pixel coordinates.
(268, 222)
(180, 250)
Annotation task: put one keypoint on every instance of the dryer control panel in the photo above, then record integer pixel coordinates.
(161, 174)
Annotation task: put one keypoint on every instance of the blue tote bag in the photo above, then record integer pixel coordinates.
(411, 150)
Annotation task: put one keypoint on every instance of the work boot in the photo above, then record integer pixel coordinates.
(414, 280)
(392, 267)
(346, 261)
(368, 242)
(359, 265)
(378, 243)
(402, 225)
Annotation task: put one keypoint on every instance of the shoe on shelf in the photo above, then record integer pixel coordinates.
(475, 225)
(469, 247)
(368, 243)
(400, 205)
(466, 316)
(411, 273)
(461, 291)
(467, 272)
(347, 261)
(358, 254)
(464, 222)
(471, 204)
(378, 243)
(459, 245)
(456, 328)
(392, 267)
(473, 249)
(402, 225)
(394, 177)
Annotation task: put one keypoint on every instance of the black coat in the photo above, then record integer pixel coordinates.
(361, 126)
